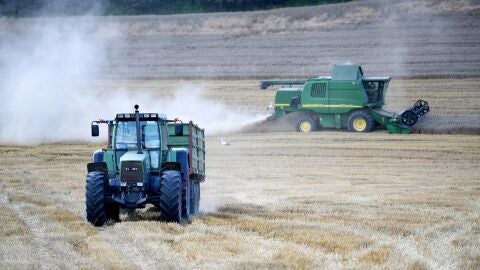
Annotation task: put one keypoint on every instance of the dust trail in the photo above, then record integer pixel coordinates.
(282, 124)
(49, 67)
(430, 124)
(189, 104)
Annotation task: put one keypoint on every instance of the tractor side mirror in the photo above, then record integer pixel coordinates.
(179, 129)
(95, 130)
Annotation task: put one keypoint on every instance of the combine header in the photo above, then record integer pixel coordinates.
(347, 99)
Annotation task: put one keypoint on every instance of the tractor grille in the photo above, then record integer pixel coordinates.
(132, 172)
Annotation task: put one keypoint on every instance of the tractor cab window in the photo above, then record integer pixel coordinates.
(126, 134)
(151, 136)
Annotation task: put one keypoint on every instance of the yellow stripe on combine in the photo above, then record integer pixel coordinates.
(331, 106)
(321, 105)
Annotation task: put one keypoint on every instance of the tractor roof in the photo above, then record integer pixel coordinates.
(143, 116)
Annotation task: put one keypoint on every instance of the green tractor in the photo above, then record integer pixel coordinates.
(148, 160)
(347, 99)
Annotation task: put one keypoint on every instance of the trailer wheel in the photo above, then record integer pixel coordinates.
(360, 121)
(171, 196)
(195, 199)
(95, 204)
(186, 195)
(306, 123)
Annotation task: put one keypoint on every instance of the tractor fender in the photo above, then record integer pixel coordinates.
(182, 158)
(97, 167)
(98, 156)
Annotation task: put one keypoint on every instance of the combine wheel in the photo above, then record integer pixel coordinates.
(409, 118)
(360, 121)
(171, 196)
(306, 123)
(95, 203)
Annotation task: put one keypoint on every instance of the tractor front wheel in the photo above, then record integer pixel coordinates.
(306, 123)
(171, 196)
(360, 121)
(95, 204)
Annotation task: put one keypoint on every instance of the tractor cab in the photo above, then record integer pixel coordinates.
(150, 139)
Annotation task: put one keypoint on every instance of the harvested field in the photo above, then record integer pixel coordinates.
(272, 200)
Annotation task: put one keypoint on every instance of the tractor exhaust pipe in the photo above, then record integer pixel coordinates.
(139, 136)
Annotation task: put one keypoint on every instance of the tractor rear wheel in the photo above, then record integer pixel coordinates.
(360, 121)
(306, 123)
(171, 196)
(95, 204)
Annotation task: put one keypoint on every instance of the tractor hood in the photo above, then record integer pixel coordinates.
(134, 156)
(134, 167)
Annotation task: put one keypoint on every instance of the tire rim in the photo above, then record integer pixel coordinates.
(359, 124)
(305, 126)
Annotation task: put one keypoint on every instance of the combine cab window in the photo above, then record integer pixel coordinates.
(374, 90)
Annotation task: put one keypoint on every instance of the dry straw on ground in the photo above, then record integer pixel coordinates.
(282, 200)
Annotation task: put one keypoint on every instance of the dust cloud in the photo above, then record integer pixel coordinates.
(48, 66)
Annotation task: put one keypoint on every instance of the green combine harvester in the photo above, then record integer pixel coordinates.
(148, 160)
(347, 99)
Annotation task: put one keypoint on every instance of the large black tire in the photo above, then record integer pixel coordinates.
(195, 198)
(186, 195)
(306, 123)
(171, 196)
(95, 203)
(360, 121)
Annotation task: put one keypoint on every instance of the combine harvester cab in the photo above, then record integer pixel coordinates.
(148, 160)
(347, 99)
